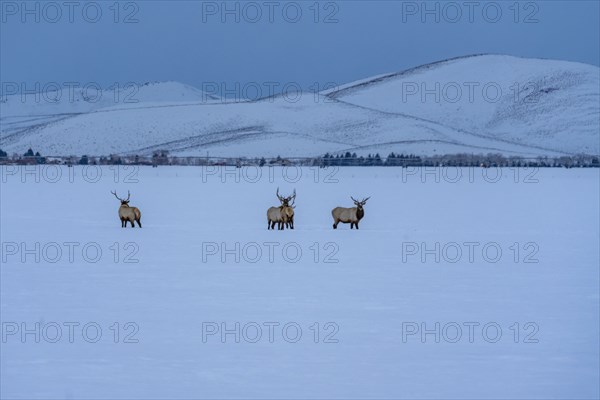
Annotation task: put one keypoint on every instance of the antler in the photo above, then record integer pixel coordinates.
(278, 196)
(128, 195)
(365, 200)
(292, 197)
(354, 200)
(115, 193)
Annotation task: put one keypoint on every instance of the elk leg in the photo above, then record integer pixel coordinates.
(139, 223)
(335, 224)
(122, 223)
(356, 225)
(132, 224)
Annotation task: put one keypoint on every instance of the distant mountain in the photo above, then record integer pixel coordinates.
(478, 104)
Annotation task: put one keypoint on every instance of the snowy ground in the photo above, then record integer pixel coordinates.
(368, 290)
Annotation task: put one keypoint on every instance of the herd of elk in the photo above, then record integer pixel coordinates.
(128, 213)
(283, 215)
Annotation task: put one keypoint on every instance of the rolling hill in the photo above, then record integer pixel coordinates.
(476, 104)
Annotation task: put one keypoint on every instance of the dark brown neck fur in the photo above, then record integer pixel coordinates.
(360, 212)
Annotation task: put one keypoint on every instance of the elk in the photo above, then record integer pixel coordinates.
(127, 213)
(281, 214)
(349, 215)
(288, 211)
(288, 216)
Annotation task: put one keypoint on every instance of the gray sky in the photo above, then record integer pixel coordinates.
(198, 42)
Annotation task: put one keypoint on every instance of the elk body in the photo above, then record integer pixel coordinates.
(275, 216)
(283, 215)
(349, 215)
(127, 213)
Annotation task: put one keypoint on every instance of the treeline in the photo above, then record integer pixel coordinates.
(348, 159)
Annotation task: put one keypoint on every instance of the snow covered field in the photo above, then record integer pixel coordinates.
(505, 261)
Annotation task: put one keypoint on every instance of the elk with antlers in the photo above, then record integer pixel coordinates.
(283, 215)
(127, 213)
(349, 215)
(288, 210)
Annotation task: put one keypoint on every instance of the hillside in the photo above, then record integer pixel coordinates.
(552, 104)
(554, 110)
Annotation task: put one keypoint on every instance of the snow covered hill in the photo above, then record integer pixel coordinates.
(553, 104)
(27, 112)
(77, 98)
(477, 104)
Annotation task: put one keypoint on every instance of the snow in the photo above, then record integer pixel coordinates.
(558, 115)
(55, 102)
(510, 98)
(73, 98)
(369, 293)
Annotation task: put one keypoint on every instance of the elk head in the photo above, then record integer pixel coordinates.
(360, 204)
(123, 202)
(285, 201)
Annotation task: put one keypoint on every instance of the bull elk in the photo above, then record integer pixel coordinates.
(349, 215)
(288, 209)
(127, 213)
(283, 215)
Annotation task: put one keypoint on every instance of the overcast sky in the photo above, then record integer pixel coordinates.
(271, 42)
